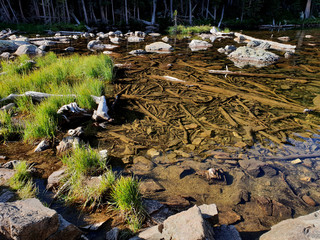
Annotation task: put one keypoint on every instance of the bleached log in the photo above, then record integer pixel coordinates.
(71, 107)
(39, 96)
(273, 45)
(102, 112)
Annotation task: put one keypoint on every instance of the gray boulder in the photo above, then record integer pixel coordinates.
(44, 43)
(27, 219)
(95, 45)
(255, 57)
(159, 47)
(5, 175)
(301, 228)
(197, 45)
(113, 234)
(55, 178)
(28, 49)
(9, 45)
(66, 230)
(135, 39)
(5, 55)
(187, 225)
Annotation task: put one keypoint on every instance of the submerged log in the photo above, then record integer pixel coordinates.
(273, 45)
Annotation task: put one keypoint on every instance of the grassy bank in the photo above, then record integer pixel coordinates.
(82, 76)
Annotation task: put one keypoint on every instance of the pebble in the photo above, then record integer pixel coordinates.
(153, 152)
(296, 161)
(2, 157)
(308, 200)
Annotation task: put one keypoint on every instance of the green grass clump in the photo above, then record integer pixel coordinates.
(81, 164)
(43, 121)
(83, 161)
(21, 181)
(7, 128)
(181, 29)
(82, 76)
(127, 198)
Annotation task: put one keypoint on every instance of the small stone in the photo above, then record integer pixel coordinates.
(284, 39)
(183, 154)
(296, 161)
(152, 152)
(191, 126)
(10, 164)
(308, 36)
(191, 147)
(151, 206)
(207, 133)
(43, 145)
(107, 52)
(69, 49)
(229, 217)
(6, 195)
(197, 141)
(2, 157)
(55, 178)
(165, 39)
(308, 200)
(208, 211)
(129, 150)
(150, 186)
(113, 234)
(171, 156)
(306, 179)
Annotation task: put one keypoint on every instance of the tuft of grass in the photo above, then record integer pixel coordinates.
(81, 164)
(127, 198)
(226, 30)
(21, 181)
(83, 161)
(44, 120)
(7, 127)
(28, 190)
(181, 29)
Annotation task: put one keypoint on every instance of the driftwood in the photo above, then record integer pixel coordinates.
(293, 157)
(273, 45)
(39, 96)
(102, 112)
(7, 34)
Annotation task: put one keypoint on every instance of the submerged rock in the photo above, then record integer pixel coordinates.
(137, 52)
(255, 57)
(159, 47)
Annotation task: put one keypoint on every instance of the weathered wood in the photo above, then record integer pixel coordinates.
(273, 45)
(8, 34)
(39, 96)
(122, 137)
(272, 138)
(150, 114)
(293, 157)
(228, 117)
(192, 117)
(275, 119)
(245, 74)
(102, 111)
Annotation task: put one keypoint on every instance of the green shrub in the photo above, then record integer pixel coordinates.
(181, 29)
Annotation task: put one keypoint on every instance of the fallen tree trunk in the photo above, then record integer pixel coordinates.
(273, 45)
(39, 96)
